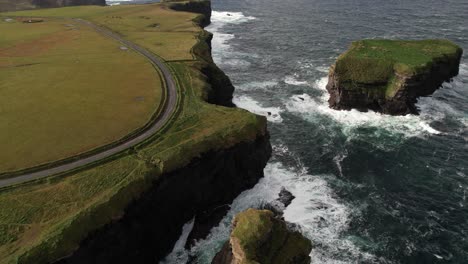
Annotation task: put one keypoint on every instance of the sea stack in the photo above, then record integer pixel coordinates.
(388, 76)
(258, 236)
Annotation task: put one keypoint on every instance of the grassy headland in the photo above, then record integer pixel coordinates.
(44, 220)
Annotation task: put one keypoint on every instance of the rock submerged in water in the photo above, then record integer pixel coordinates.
(258, 236)
(388, 76)
(278, 206)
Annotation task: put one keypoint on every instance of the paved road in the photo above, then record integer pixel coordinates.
(169, 108)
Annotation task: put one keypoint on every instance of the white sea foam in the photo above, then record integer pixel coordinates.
(222, 52)
(256, 85)
(323, 69)
(179, 254)
(323, 219)
(338, 159)
(221, 19)
(320, 216)
(308, 107)
(220, 41)
(229, 17)
(273, 114)
(292, 80)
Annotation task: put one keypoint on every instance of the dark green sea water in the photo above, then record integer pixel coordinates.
(369, 188)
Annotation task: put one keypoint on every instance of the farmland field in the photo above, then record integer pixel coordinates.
(66, 90)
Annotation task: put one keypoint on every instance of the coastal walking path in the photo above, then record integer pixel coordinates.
(169, 108)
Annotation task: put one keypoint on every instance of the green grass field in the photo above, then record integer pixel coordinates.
(375, 61)
(44, 220)
(66, 90)
(167, 33)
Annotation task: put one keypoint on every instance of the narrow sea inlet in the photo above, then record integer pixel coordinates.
(369, 188)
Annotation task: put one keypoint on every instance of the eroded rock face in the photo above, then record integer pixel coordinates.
(152, 224)
(258, 236)
(202, 7)
(388, 76)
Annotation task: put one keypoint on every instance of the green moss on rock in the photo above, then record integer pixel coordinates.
(259, 237)
(374, 61)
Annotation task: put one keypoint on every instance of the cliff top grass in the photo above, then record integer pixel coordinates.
(376, 61)
(45, 220)
(262, 238)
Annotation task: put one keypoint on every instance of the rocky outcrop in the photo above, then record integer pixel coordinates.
(221, 89)
(388, 76)
(202, 7)
(151, 225)
(260, 237)
(278, 206)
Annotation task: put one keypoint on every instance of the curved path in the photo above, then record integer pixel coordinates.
(167, 111)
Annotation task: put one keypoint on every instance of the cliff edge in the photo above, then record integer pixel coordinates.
(389, 75)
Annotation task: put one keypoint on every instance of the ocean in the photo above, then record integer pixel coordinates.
(369, 188)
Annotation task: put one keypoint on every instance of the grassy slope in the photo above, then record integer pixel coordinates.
(81, 202)
(67, 89)
(377, 61)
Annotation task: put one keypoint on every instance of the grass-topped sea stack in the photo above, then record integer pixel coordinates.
(389, 75)
(260, 237)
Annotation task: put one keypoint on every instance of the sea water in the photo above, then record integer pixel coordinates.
(369, 188)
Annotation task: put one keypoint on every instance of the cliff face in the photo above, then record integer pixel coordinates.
(388, 76)
(259, 237)
(152, 224)
(221, 87)
(202, 7)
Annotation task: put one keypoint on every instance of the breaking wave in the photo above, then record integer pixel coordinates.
(409, 125)
(315, 210)
(273, 114)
